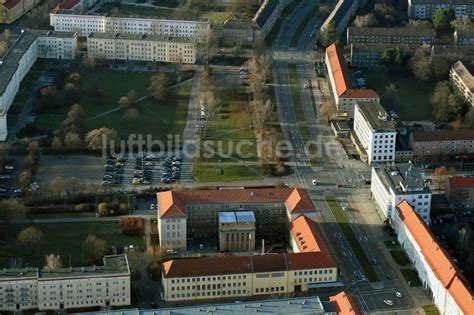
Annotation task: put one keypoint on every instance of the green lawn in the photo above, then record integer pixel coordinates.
(102, 91)
(295, 93)
(207, 172)
(400, 257)
(66, 238)
(296, 37)
(414, 95)
(351, 238)
(411, 277)
(216, 18)
(430, 310)
(130, 9)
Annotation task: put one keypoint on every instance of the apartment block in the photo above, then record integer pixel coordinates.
(463, 82)
(87, 23)
(237, 32)
(21, 56)
(195, 214)
(341, 15)
(442, 143)
(375, 132)
(237, 231)
(367, 55)
(345, 96)
(446, 285)
(390, 35)
(11, 10)
(267, 15)
(464, 37)
(424, 9)
(66, 288)
(141, 48)
(460, 191)
(395, 182)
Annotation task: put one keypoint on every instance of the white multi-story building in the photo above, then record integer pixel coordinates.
(395, 182)
(141, 48)
(21, 56)
(66, 288)
(375, 132)
(463, 82)
(87, 23)
(447, 287)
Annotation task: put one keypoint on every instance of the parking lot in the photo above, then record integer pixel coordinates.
(9, 185)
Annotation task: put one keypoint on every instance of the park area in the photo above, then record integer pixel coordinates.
(66, 239)
(99, 92)
(412, 101)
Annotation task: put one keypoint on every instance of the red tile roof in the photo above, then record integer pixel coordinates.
(172, 203)
(339, 69)
(359, 93)
(222, 265)
(345, 304)
(67, 4)
(341, 76)
(460, 182)
(442, 135)
(9, 4)
(437, 258)
(306, 234)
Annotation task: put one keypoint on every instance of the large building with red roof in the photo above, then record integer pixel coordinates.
(442, 143)
(11, 10)
(460, 191)
(345, 95)
(194, 213)
(448, 288)
(345, 304)
(310, 265)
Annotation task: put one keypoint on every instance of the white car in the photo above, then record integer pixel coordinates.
(398, 294)
(388, 302)
(314, 182)
(130, 248)
(9, 167)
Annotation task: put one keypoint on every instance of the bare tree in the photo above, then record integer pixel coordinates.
(72, 140)
(53, 261)
(131, 115)
(368, 20)
(30, 244)
(328, 109)
(132, 96)
(124, 101)
(56, 144)
(94, 248)
(98, 138)
(439, 175)
(158, 85)
(421, 63)
(12, 211)
(25, 180)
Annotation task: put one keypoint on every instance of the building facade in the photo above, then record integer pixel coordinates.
(195, 214)
(341, 15)
(442, 143)
(375, 131)
(141, 48)
(11, 10)
(396, 182)
(464, 37)
(390, 35)
(463, 82)
(424, 9)
(85, 24)
(345, 96)
(21, 56)
(460, 191)
(237, 231)
(446, 285)
(66, 288)
(267, 15)
(366, 55)
(237, 32)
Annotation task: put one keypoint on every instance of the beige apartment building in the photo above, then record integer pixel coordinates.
(441, 144)
(392, 35)
(66, 288)
(463, 82)
(153, 48)
(237, 231)
(11, 10)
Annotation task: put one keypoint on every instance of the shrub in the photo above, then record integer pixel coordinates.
(132, 225)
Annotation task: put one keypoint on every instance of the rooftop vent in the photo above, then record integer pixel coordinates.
(383, 116)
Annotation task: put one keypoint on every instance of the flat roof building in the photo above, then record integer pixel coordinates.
(463, 82)
(460, 191)
(64, 288)
(395, 182)
(375, 132)
(441, 143)
(390, 35)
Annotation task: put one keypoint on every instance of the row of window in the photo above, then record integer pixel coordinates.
(199, 279)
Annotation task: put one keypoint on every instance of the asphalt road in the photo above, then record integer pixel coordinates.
(335, 167)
